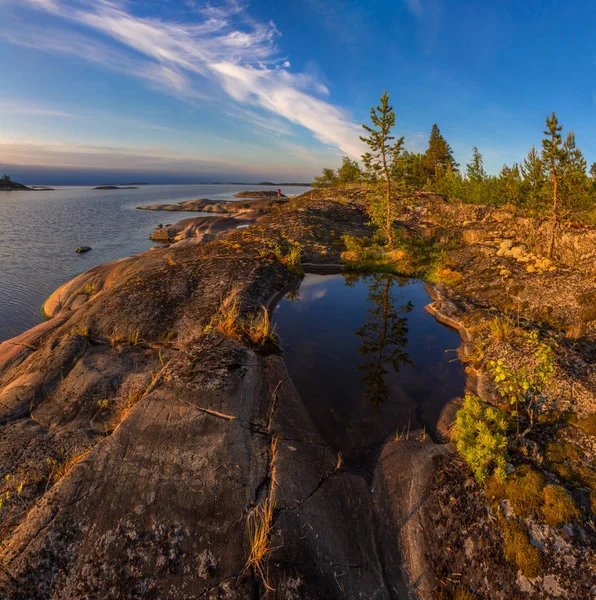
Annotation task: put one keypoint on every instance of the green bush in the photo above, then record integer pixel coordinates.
(480, 437)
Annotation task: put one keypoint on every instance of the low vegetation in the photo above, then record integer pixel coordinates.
(255, 329)
(480, 437)
(518, 549)
(259, 525)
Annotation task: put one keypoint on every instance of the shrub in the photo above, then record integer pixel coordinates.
(519, 551)
(559, 506)
(480, 437)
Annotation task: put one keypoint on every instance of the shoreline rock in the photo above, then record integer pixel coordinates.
(259, 194)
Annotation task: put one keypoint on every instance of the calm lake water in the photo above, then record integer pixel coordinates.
(367, 359)
(40, 231)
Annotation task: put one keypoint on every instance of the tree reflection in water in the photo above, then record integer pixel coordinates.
(384, 337)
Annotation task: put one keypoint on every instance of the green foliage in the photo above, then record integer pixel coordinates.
(290, 256)
(328, 178)
(522, 385)
(439, 156)
(349, 172)
(379, 163)
(6, 177)
(480, 437)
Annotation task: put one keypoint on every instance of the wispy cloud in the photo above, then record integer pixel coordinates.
(25, 108)
(220, 48)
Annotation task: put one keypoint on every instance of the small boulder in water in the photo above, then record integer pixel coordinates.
(83, 249)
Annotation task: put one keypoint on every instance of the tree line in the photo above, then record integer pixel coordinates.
(553, 179)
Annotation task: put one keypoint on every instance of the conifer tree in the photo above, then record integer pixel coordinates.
(383, 154)
(576, 186)
(475, 168)
(510, 185)
(534, 177)
(593, 171)
(554, 156)
(439, 156)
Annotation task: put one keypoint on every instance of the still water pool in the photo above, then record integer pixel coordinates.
(367, 358)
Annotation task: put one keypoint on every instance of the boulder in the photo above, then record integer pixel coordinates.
(83, 249)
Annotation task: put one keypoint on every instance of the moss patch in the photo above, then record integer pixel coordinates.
(559, 506)
(519, 551)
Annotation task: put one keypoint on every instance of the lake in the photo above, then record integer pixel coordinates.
(40, 231)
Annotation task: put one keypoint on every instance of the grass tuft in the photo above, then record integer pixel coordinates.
(259, 526)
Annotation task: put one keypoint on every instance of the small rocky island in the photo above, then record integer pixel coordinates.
(115, 187)
(7, 185)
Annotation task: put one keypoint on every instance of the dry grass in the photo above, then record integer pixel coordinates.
(227, 318)
(502, 329)
(256, 329)
(574, 332)
(340, 461)
(59, 468)
(259, 329)
(81, 330)
(130, 399)
(404, 435)
(259, 526)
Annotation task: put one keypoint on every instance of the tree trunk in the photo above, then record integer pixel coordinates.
(551, 242)
(388, 223)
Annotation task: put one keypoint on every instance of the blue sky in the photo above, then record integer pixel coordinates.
(187, 90)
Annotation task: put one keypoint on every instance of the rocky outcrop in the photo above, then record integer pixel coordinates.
(218, 206)
(259, 194)
(199, 229)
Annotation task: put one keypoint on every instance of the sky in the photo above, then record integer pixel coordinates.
(190, 91)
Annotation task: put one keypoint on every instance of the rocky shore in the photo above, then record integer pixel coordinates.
(145, 434)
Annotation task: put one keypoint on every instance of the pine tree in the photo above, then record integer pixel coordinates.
(576, 185)
(534, 178)
(380, 159)
(554, 156)
(475, 168)
(510, 185)
(593, 171)
(439, 156)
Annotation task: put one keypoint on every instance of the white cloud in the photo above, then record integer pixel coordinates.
(222, 48)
